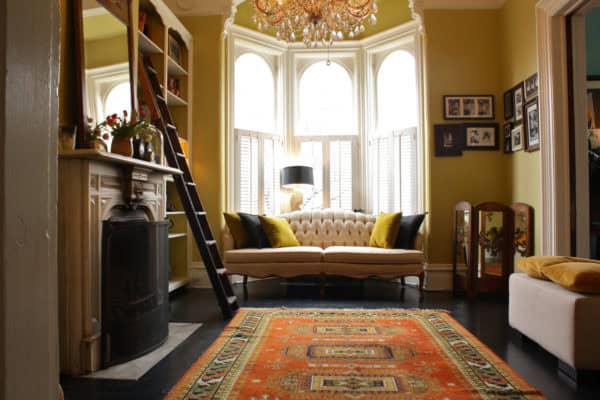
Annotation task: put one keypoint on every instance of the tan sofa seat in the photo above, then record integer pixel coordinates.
(371, 255)
(300, 254)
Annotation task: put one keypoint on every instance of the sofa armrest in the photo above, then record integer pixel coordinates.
(227, 240)
(419, 242)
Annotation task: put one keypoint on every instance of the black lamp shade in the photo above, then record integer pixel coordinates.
(297, 175)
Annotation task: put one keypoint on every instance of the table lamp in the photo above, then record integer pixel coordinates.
(294, 177)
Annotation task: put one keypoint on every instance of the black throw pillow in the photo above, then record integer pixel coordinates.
(409, 226)
(254, 231)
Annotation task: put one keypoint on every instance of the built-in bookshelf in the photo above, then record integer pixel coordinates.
(163, 38)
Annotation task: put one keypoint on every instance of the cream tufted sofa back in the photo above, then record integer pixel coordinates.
(325, 228)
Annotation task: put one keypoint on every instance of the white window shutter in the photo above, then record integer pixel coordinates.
(340, 174)
(248, 173)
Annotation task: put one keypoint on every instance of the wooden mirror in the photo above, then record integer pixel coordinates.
(523, 230)
(104, 61)
(461, 240)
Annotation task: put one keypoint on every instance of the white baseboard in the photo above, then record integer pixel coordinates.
(438, 277)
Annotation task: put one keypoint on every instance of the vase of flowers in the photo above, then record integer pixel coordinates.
(123, 130)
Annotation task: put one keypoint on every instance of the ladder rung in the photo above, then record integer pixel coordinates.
(221, 271)
(200, 212)
(171, 126)
(180, 155)
(151, 70)
(159, 97)
(190, 183)
(231, 300)
(211, 242)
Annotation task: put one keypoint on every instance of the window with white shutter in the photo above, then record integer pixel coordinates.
(392, 144)
(327, 136)
(257, 147)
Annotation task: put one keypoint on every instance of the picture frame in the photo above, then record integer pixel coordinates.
(507, 129)
(517, 138)
(509, 110)
(448, 140)
(481, 136)
(532, 125)
(518, 102)
(531, 87)
(469, 107)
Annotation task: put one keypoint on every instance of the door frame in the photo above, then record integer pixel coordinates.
(553, 64)
(29, 70)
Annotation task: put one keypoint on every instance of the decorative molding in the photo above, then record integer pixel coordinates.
(456, 4)
(190, 8)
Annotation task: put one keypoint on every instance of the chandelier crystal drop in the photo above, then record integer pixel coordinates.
(315, 21)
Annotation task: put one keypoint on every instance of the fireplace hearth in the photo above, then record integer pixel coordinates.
(135, 280)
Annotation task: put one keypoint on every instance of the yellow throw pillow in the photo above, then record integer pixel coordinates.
(279, 232)
(535, 266)
(582, 277)
(385, 231)
(234, 223)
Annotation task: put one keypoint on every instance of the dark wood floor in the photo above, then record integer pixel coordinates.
(486, 318)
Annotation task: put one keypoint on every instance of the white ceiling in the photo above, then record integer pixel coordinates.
(223, 7)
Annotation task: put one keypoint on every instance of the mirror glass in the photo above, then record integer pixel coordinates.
(106, 61)
(521, 234)
(463, 232)
(491, 246)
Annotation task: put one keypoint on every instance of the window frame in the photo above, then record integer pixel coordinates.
(358, 56)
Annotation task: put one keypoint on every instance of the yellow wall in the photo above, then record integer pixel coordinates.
(104, 52)
(519, 61)
(66, 87)
(461, 57)
(208, 162)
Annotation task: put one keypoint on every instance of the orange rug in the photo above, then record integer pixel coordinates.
(277, 354)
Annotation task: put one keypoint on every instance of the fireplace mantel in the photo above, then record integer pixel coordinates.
(91, 184)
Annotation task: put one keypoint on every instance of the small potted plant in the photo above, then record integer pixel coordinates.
(123, 130)
(96, 136)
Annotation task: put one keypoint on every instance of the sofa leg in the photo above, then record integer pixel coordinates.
(322, 283)
(245, 280)
(403, 281)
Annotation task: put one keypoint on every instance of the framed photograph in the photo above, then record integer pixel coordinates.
(507, 128)
(517, 138)
(518, 102)
(469, 107)
(532, 126)
(509, 111)
(481, 137)
(531, 86)
(448, 140)
(174, 50)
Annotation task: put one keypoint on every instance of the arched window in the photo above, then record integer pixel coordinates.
(254, 98)
(118, 99)
(258, 144)
(393, 172)
(397, 92)
(326, 101)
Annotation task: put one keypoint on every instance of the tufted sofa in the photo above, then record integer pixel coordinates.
(333, 242)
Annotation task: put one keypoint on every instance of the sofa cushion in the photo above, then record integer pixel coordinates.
(234, 223)
(534, 266)
(278, 232)
(409, 227)
(371, 255)
(582, 277)
(255, 234)
(385, 231)
(276, 255)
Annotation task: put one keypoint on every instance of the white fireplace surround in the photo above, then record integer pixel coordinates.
(91, 185)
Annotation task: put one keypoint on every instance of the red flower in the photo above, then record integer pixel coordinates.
(106, 136)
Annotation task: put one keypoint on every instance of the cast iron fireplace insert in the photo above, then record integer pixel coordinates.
(135, 286)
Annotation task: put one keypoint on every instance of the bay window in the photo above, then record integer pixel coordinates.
(352, 114)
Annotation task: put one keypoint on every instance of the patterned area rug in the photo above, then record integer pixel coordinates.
(277, 354)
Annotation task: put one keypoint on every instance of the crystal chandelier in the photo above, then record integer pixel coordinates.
(315, 21)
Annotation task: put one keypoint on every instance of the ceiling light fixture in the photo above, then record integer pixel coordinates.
(315, 21)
